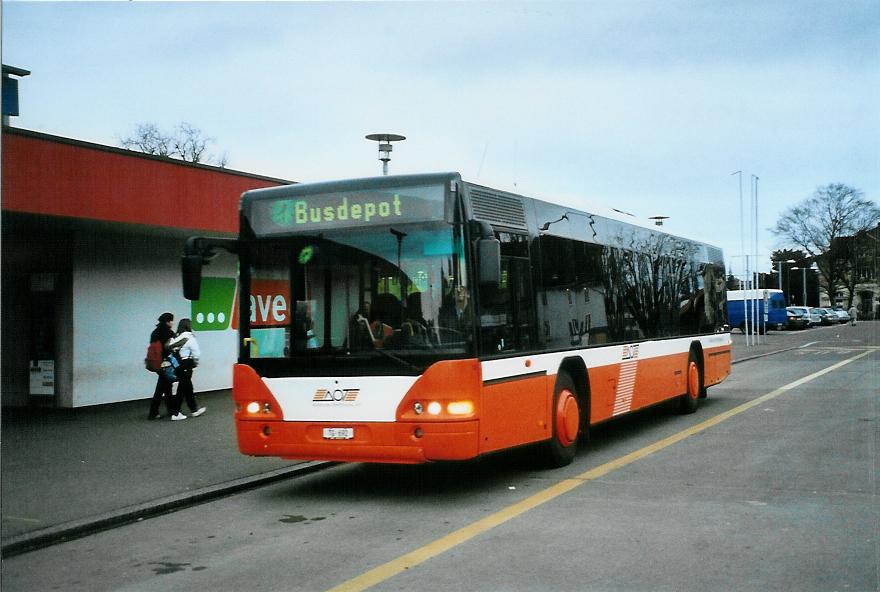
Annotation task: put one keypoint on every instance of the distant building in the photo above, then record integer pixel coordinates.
(862, 273)
(92, 237)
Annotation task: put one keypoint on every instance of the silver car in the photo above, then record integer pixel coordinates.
(842, 315)
(826, 317)
(811, 315)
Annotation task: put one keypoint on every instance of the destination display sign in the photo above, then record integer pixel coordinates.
(347, 209)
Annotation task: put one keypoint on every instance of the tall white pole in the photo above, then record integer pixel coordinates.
(804, 283)
(751, 253)
(747, 307)
(756, 323)
(745, 258)
(761, 321)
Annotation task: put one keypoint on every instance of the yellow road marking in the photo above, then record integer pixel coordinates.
(453, 539)
(22, 519)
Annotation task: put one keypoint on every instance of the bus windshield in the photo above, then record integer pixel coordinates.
(391, 291)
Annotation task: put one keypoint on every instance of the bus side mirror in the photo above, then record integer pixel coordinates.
(489, 254)
(199, 251)
(191, 270)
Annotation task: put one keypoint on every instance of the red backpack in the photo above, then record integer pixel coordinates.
(153, 361)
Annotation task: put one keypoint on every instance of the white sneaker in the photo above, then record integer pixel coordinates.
(199, 411)
(178, 416)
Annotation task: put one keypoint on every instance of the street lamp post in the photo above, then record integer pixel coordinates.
(804, 269)
(781, 262)
(803, 284)
(815, 268)
(385, 147)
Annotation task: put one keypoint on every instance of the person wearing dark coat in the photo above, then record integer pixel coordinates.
(163, 333)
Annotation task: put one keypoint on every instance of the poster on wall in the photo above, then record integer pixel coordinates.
(42, 377)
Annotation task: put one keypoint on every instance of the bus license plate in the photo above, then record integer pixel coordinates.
(338, 433)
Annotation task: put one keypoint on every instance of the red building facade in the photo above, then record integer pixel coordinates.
(92, 237)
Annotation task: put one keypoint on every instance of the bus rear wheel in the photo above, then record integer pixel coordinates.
(694, 382)
(562, 447)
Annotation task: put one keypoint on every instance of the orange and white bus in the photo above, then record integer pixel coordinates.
(425, 318)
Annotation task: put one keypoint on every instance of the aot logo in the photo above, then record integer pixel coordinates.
(213, 311)
(630, 352)
(336, 396)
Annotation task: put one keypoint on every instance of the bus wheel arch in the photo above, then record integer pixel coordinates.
(569, 414)
(577, 370)
(695, 388)
(697, 348)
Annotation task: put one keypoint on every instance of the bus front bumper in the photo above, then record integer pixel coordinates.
(401, 442)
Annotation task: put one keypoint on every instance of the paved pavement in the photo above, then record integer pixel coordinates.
(68, 472)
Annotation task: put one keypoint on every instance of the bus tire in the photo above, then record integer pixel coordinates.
(688, 402)
(567, 420)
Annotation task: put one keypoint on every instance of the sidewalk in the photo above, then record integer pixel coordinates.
(67, 472)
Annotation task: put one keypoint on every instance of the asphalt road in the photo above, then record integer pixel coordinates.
(771, 485)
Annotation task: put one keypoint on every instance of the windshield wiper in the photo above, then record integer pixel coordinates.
(398, 359)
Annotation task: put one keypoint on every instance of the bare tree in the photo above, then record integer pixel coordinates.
(817, 224)
(148, 139)
(185, 142)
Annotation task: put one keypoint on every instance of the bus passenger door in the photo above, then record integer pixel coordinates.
(515, 404)
(507, 313)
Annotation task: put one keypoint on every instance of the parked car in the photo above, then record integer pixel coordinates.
(842, 315)
(798, 318)
(811, 315)
(826, 317)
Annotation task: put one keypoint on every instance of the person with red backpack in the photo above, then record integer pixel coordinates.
(163, 333)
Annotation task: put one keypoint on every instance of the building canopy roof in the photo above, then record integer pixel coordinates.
(55, 176)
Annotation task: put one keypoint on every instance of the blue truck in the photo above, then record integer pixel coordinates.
(759, 309)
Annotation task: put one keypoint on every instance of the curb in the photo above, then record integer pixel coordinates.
(76, 529)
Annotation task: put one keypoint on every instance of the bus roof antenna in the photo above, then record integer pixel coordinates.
(385, 147)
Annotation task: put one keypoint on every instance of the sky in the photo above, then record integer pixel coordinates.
(642, 106)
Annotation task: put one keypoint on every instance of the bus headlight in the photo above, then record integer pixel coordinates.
(262, 410)
(439, 409)
(460, 408)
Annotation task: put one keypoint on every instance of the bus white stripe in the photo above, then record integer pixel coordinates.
(626, 383)
(594, 357)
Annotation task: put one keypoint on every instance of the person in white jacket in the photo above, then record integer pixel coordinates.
(188, 351)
